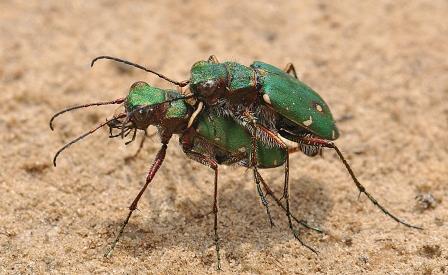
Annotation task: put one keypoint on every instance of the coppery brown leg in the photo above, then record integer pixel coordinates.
(361, 188)
(288, 212)
(289, 215)
(142, 142)
(279, 203)
(213, 59)
(152, 172)
(253, 162)
(207, 161)
(263, 199)
(289, 69)
(257, 176)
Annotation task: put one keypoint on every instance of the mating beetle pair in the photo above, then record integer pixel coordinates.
(239, 114)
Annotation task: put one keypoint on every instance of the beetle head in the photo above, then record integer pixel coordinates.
(208, 81)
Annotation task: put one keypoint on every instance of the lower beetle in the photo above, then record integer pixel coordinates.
(212, 140)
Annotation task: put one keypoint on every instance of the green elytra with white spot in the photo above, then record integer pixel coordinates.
(280, 91)
(222, 132)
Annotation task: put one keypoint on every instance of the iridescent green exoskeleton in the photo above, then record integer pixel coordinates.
(265, 100)
(296, 103)
(274, 98)
(211, 141)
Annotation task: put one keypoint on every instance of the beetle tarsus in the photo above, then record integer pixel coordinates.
(116, 59)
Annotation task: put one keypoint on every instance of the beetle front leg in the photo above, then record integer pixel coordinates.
(361, 188)
(152, 172)
(290, 69)
(142, 142)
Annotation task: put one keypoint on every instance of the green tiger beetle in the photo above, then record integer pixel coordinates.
(212, 140)
(265, 95)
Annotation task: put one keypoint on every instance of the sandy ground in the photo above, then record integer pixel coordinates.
(381, 65)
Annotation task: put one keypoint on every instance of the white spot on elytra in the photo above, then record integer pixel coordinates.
(319, 108)
(308, 122)
(267, 99)
(333, 134)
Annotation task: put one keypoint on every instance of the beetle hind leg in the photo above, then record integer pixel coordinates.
(361, 188)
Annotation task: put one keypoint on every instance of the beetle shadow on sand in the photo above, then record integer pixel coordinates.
(178, 219)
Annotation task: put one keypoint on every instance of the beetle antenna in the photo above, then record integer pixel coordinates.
(177, 98)
(84, 135)
(116, 101)
(180, 84)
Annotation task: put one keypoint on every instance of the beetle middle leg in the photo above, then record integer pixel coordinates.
(152, 172)
(258, 177)
(288, 212)
(209, 162)
(253, 162)
(290, 69)
(263, 199)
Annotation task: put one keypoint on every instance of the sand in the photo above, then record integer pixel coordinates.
(382, 66)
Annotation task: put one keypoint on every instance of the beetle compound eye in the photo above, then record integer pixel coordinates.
(208, 87)
(139, 114)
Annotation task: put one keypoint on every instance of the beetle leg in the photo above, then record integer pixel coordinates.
(289, 69)
(142, 141)
(264, 201)
(152, 172)
(209, 162)
(140, 146)
(258, 177)
(295, 232)
(288, 212)
(213, 59)
(186, 141)
(279, 203)
(361, 188)
(253, 161)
